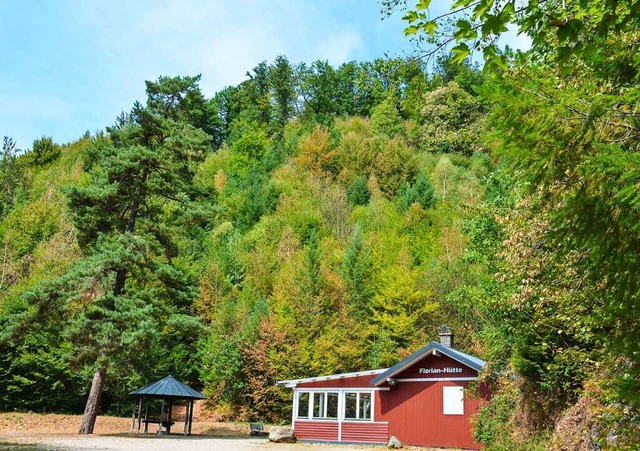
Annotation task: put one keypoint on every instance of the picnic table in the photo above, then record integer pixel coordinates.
(164, 423)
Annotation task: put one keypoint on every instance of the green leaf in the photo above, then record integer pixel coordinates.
(481, 9)
(410, 30)
(430, 28)
(562, 58)
(460, 52)
(493, 24)
(528, 23)
(494, 62)
(465, 31)
(460, 3)
(424, 4)
(502, 62)
(564, 34)
(507, 12)
(411, 16)
(489, 52)
(463, 24)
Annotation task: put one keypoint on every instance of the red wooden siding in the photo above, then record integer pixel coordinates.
(346, 382)
(436, 363)
(316, 430)
(377, 412)
(414, 413)
(365, 432)
(352, 431)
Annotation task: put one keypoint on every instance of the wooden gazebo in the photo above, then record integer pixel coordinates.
(168, 389)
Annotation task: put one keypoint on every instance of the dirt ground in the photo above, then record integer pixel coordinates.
(44, 424)
(165, 443)
(31, 432)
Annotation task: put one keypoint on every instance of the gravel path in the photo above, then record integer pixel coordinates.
(50, 432)
(173, 443)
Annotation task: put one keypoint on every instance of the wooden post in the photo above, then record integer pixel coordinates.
(190, 416)
(146, 417)
(139, 413)
(161, 418)
(186, 418)
(170, 412)
(133, 417)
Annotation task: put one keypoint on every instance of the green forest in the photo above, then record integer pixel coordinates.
(317, 219)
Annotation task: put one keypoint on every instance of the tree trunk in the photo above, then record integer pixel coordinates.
(121, 279)
(93, 403)
(121, 274)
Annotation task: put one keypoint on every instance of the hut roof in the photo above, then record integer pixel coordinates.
(168, 387)
(471, 361)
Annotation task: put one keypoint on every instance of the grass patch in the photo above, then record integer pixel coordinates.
(17, 447)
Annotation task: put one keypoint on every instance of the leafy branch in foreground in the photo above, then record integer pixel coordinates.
(565, 31)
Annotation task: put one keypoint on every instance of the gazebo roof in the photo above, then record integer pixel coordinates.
(168, 387)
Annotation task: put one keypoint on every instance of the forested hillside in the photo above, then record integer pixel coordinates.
(311, 220)
(318, 219)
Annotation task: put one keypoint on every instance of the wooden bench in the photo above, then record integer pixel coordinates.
(256, 429)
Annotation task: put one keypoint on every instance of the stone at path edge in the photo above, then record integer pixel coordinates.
(394, 442)
(280, 434)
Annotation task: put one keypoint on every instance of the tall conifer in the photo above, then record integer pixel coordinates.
(127, 284)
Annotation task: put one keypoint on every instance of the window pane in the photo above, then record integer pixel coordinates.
(318, 405)
(332, 405)
(303, 405)
(365, 406)
(350, 405)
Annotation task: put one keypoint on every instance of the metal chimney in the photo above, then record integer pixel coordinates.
(446, 337)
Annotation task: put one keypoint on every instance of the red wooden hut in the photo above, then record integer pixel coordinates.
(423, 400)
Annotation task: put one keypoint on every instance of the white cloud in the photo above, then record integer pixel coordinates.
(109, 47)
(221, 40)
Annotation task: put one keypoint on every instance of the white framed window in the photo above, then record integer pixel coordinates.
(357, 405)
(331, 408)
(452, 400)
(303, 404)
(318, 405)
(342, 404)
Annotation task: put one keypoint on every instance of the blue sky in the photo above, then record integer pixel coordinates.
(69, 66)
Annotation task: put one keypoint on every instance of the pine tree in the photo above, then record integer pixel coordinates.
(257, 89)
(421, 192)
(357, 272)
(44, 151)
(358, 193)
(13, 177)
(127, 282)
(282, 81)
(385, 119)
